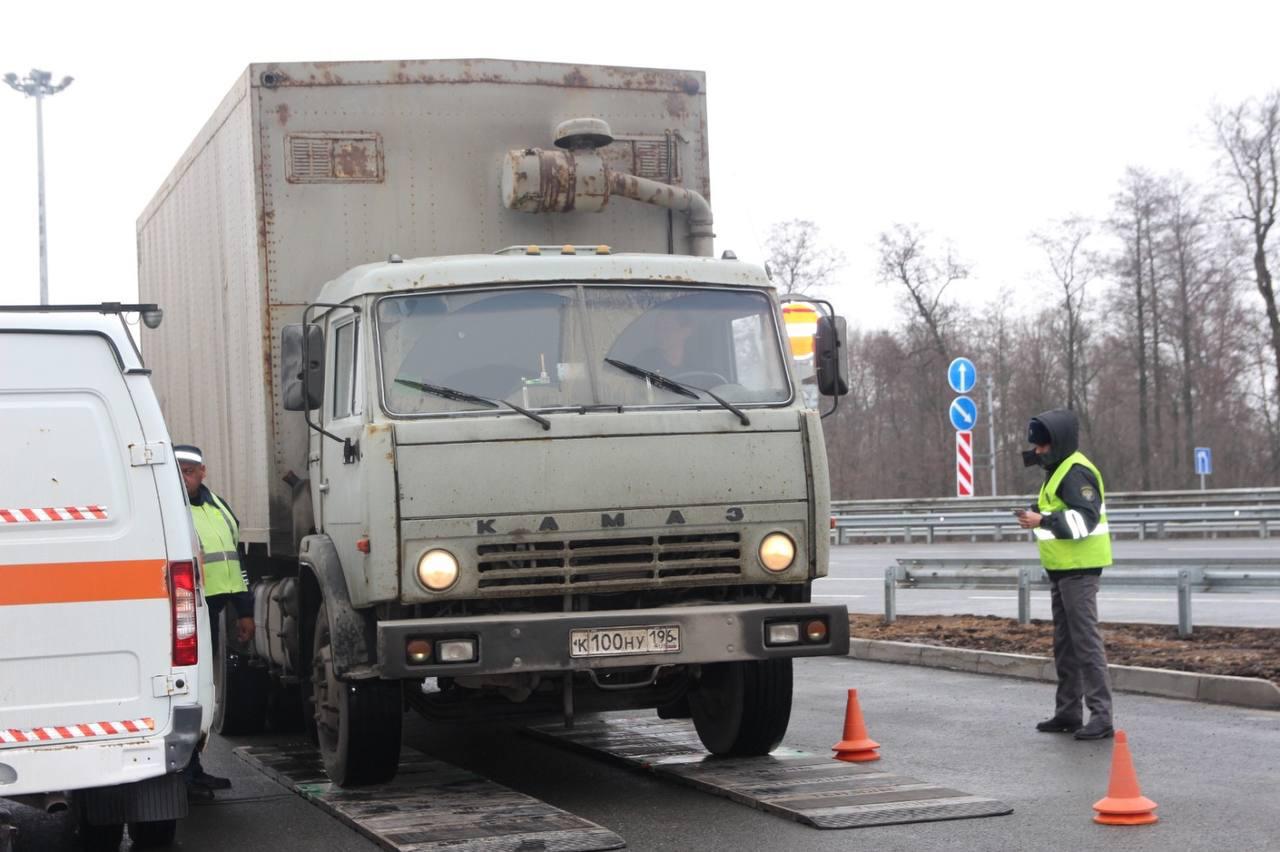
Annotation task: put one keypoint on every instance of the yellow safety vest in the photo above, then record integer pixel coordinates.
(219, 534)
(1092, 549)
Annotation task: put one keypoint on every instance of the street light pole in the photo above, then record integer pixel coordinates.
(37, 85)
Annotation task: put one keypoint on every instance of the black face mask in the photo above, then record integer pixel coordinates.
(1030, 458)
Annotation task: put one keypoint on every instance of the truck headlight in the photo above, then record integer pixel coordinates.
(777, 552)
(437, 570)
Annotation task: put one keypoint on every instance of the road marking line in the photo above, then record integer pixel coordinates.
(839, 596)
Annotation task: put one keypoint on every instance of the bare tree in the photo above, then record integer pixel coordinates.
(799, 259)
(924, 279)
(1135, 206)
(1064, 247)
(1249, 138)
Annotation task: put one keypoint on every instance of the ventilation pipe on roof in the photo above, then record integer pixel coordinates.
(536, 180)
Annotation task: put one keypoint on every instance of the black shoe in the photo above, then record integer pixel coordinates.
(212, 782)
(1095, 730)
(1057, 726)
(198, 793)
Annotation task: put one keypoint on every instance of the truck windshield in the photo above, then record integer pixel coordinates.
(550, 347)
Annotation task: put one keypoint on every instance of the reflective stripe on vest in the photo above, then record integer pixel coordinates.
(1090, 548)
(218, 533)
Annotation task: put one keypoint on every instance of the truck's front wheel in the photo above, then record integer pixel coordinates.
(357, 722)
(742, 708)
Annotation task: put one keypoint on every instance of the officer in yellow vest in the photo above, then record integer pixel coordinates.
(1069, 521)
(225, 582)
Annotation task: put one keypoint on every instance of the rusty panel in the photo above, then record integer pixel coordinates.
(335, 157)
(445, 128)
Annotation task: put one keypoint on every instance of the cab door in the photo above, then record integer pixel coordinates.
(342, 504)
(85, 619)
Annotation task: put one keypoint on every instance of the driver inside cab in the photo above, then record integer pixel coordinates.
(670, 352)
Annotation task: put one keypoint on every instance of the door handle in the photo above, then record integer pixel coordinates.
(324, 487)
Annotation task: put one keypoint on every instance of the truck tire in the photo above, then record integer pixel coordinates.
(153, 835)
(742, 708)
(239, 689)
(357, 721)
(285, 709)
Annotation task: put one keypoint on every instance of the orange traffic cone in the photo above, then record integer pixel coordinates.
(1124, 803)
(856, 747)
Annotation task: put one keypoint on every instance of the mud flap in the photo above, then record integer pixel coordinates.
(352, 635)
(159, 798)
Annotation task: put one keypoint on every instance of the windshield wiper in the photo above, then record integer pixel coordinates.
(463, 396)
(676, 387)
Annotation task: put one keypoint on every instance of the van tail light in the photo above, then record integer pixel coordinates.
(182, 602)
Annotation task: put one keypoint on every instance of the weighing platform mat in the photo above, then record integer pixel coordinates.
(813, 789)
(432, 806)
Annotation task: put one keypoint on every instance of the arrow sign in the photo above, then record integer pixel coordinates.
(1204, 461)
(964, 413)
(962, 376)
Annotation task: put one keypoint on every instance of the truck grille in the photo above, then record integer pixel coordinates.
(609, 561)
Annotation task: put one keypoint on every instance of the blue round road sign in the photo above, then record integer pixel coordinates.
(962, 375)
(964, 413)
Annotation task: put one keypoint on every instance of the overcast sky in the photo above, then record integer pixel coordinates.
(978, 121)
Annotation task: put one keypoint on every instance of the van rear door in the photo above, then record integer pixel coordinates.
(85, 619)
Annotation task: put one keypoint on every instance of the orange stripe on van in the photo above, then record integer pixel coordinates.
(76, 582)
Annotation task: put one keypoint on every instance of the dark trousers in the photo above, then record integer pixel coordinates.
(1078, 652)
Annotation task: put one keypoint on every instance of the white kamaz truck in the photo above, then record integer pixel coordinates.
(502, 436)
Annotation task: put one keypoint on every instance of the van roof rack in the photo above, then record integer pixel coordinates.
(151, 312)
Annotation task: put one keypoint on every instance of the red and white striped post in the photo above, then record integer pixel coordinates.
(964, 464)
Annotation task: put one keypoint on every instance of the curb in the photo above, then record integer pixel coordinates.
(1189, 686)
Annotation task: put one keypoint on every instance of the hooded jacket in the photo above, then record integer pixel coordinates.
(1079, 488)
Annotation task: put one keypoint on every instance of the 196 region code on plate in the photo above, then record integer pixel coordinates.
(615, 641)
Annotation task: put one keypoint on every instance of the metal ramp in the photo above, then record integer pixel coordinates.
(432, 805)
(811, 789)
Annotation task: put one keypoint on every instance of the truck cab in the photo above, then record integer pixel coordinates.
(562, 479)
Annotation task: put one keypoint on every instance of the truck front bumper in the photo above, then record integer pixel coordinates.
(540, 642)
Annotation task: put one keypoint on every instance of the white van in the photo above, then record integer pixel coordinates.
(105, 676)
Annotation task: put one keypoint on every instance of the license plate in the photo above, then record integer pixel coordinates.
(621, 641)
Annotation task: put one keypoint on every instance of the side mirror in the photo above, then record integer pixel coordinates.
(831, 356)
(302, 380)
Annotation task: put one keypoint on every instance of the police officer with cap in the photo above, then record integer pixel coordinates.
(225, 581)
(1069, 521)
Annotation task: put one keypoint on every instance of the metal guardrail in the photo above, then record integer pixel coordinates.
(1027, 574)
(1115, 500)
(1122, 520)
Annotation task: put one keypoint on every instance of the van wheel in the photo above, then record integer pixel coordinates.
(101, 838)
(148, 835)
(742, 708)
(239, 689)
(357, 722)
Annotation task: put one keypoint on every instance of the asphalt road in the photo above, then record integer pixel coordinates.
(856, 579)
(1212, 770)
